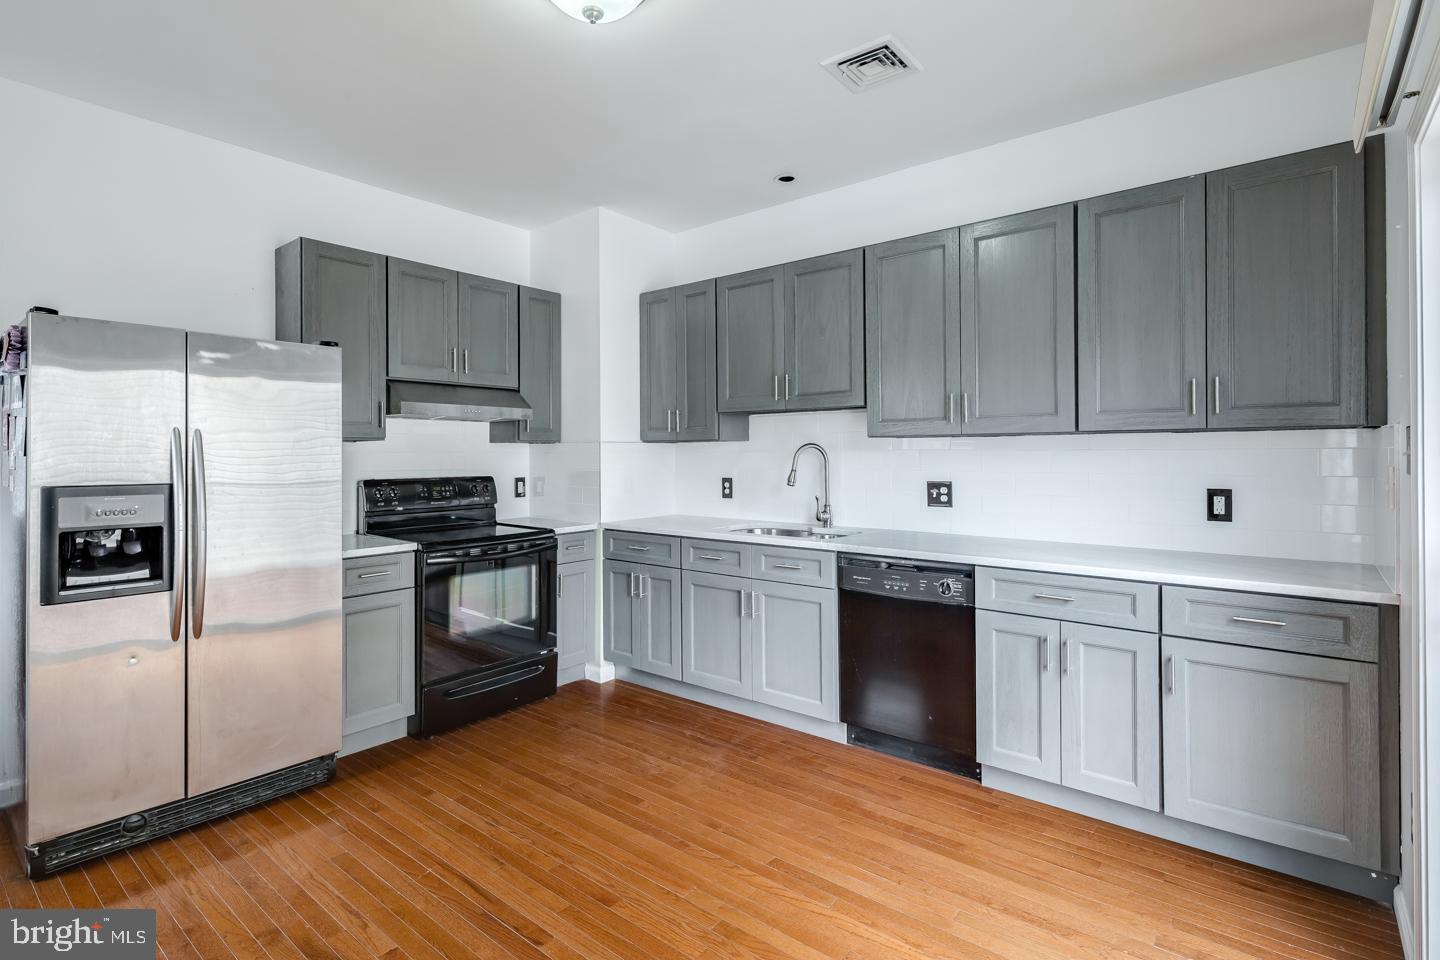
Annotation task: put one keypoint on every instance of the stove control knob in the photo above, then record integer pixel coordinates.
(950, 588)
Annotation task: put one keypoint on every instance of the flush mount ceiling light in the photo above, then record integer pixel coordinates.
(597, 11)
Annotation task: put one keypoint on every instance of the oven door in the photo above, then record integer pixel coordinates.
(486, 610)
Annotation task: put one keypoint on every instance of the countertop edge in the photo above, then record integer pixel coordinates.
(356, 546)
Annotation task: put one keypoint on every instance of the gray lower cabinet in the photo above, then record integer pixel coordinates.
(1278, 746)
(1017, 694)
(1017, 323)
(912, 335)
(1110, 713)
(1140, 316)
(575, 613)
(423, 304)
(677, 368)
(718, 636)
(539, 371)
(750, 341)
(642, 617)
(1286, 299)
(488, 333)
(379, 667)
(796, 649)
(333, 293)
(825, 332)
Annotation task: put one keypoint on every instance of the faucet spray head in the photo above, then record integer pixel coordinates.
(790, 480)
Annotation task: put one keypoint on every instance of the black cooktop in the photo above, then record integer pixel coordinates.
(438, 512)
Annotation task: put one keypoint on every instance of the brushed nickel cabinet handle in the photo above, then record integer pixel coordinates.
(1054, 596)
(1044, 653)
(709, 556)
(777, 386)
(950, 408)
(744, 612)
(965, 406)
(637, 548)
(1193, 409)
(575, 546)
(467, 359)
(452, 360)
(1217, 394)
(643, 579)
(1064, 657)
(1170, 674)
(1260, 621)
(787, 386)
(787, 566)
(378, 573)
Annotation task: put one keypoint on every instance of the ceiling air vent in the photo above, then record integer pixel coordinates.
(871, 65)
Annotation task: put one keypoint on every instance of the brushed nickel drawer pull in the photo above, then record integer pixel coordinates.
(709, 556)
(1170, 674)
(1260, 621)
(377, 573)
(1054, 596)
(788, 566)
(637, 548)
(575, 546)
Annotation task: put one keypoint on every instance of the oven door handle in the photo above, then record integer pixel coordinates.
(501, 555)
(495, 683)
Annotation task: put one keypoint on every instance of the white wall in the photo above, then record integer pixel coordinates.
(106, 215)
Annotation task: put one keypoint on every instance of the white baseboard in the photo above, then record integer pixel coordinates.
(602, 672)
(1403, 922)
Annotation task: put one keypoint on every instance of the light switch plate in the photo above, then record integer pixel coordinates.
(520, 488)
(937, 494)
(727, 488)
(1220, 505)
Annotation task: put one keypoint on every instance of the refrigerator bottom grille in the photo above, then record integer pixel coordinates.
(46, 858)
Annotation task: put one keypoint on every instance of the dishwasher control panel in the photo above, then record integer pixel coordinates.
(931, 582)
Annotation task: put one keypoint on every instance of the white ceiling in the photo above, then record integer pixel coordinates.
(678, 116)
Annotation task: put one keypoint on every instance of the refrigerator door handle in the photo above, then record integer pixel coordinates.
(177, 486)
(198, 542)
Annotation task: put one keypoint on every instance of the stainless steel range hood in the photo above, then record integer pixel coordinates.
(434, 401)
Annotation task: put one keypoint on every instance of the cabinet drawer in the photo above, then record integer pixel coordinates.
(642, 548)
(388, 571)
(718, 556)
(1349, 631)
(1109, 603)
(576, 546)
(813, 568)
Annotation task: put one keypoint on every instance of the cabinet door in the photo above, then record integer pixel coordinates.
(379, 659)
(697, 417)
(1286, 271)
(575, 612)
(912, 335)
(750, 341)
(717, 632)
(423, 306)
(1141, 313)
(1281, 747)
(342, 299)
(1110, 713)
(1017, 694)
(796, 648)
(620, 612)
(489, 333)
(825, 332)
(657, 627)
(659, 366)
(1017, 323)
(540, 365)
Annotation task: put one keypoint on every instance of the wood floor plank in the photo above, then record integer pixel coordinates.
(617, 823)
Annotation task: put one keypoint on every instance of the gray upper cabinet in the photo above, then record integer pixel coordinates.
(1017, 323)
(750, 341)
(1286, 304)
(696, 416)
(1141, 309)
(796, 649)
(539, 371)
(825, 332)
(1110, 713)
(1282, 747)
(488, 333)
(659, 366)
(334, 293)
(717, 632)
(1017, 694)
(423, 305)
(912, 335)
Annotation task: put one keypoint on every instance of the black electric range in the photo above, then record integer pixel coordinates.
(485, 631)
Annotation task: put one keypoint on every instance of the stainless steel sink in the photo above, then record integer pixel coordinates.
(799, 533)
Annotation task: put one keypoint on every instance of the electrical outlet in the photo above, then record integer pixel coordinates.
(1219, 505)
(520, 488)
(538, 485)
(727, 488)
(937, 493)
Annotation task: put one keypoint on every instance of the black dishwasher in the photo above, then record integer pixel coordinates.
(907, 660)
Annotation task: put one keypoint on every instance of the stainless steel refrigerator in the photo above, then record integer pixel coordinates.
(173, 567)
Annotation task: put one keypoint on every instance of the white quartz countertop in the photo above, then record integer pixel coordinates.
(1356, 582)
(354, 545)
(558, 524)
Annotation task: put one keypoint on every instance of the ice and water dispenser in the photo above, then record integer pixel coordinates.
(105, 541)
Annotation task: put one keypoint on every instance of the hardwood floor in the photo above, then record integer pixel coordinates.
(614, 822)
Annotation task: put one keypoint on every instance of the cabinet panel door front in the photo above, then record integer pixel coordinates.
(620, 612)
(1286, 273)
(1017, 694)
(1110, 713)
(424, 307)
(717, 632)
(657, 643)
(1281, 747)
(797, 649)
(659, 366)
(695, 307)
(825, 332)
(540, 364)
(379, 659)
(1141, 312)
(1017, 323)
(912, 335)
(489, 333)
(750, 341)
(343, 299)
(575, 613)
